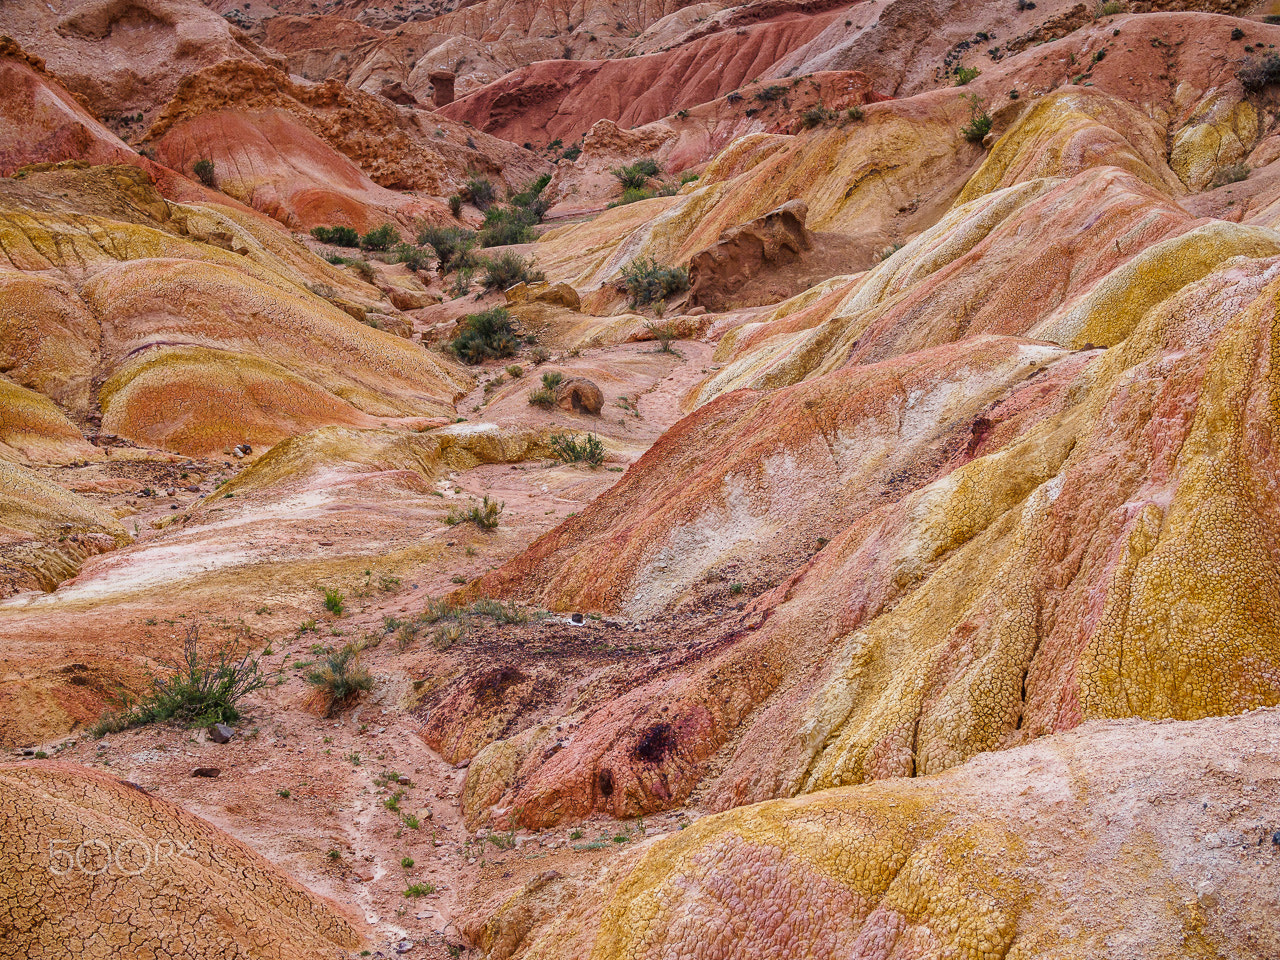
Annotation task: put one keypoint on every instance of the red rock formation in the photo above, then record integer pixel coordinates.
(561, 100)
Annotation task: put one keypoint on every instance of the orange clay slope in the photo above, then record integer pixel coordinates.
(323, 154)
(96, 867)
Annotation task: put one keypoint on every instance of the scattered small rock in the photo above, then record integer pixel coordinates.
(220, 733)
(209, 772)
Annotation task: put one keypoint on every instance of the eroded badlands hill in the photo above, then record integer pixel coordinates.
(925, 576)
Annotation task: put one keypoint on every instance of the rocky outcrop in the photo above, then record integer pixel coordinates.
(322, 154)
(441, 87)
(579, 395)
(718, 274)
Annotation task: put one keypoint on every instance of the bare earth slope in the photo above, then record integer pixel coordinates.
(905, 585)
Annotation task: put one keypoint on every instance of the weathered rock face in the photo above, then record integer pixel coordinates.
(127, 56)
(1048, 850)
(98, 866)
(718, 274)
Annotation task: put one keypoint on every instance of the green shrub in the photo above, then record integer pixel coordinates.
(482, 336)
(507, 225)
(570, 449)
(571, 153)
(506, 270)
(633, 195)
(340, 677)
(380, 238)
(531, 196)
(664, 333)
(196, 690)
(364, 268)
(204, 172)
(455, 205)
(647, 280)
(979, 125)
(481, 191)
(451, 244)
(815, 116)
(854, 114)
(545, 396)
(483, 513)
(333, 600)
(771, 93)
(634, 176)
(413, 256)
(420, 890)
(338, 236)
(966, 75)
(1110, 8)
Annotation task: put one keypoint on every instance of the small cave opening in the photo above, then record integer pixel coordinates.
(605, 780)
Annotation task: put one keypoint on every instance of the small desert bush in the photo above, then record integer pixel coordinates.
(333, 600)
(545, 396)
(485, 514)
(506, 225)
(506, 270)
(450, 244)
(482, 336)
(481, 191)
(966, 75)
(635, 175)
(815, 116)
(204, 172)
(1255, 75)
(413, 257)
(380, 238)
(196, 689)
(340, 677)
(570, 449)
(462, 279)
(338, 236)
(664, 333)
(979, 125)
(648, 281)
